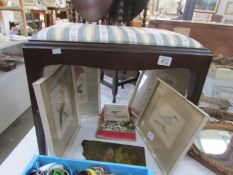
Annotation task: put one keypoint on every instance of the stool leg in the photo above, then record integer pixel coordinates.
(122, 86)
(114, 86)
(101, 74)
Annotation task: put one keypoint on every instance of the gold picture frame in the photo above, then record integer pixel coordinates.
(222, 123)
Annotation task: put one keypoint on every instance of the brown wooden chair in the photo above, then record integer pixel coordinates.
(122, 12)
(47, 14)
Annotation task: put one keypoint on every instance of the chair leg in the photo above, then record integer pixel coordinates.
(114, 86)
(101, 75)
(122, 86)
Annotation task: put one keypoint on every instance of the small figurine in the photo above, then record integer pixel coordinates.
(179, 9)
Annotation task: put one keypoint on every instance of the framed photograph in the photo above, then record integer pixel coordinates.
(206, 6)
(169, 125)
(229, 8)
(57, 101)
(29, 2)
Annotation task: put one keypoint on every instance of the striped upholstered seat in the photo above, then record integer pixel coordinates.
(76, 32)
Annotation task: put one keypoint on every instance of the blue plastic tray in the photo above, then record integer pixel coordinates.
(79, 165)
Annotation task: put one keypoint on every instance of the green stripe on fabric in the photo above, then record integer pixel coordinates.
(191, 43)
(166, 41)
(66, 33)
(178, 40)
(51, 34)
(81, 34)
(125, 35)
(62, 33)
(110, 35)
(97, 33)
(153, 40)
(139, 35)
(151, 37)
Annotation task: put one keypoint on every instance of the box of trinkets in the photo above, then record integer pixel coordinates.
(55, 165)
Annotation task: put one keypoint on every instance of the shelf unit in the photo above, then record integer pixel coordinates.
(22, 13)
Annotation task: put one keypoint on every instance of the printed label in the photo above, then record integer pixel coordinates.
(164, 61)
(56, 51)
(150, 136)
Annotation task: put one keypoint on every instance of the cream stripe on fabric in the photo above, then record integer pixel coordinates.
(144, 36)
(42, 35)
(131, 35)
(103, 32)
(158, 37)
(118, 35)
(74, 30)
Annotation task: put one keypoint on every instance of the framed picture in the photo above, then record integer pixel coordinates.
(148, 81)
(229, 8)
(57, 101)
(169, 125)
(206, 6)
(88, 90)
(29, 2)
(227, 21)
(169, 7)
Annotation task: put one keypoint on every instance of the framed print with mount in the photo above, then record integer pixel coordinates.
(88, 90)
(169, 126)
(208, 6)
(57, 101)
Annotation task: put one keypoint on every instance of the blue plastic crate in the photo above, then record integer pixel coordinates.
(80, 165)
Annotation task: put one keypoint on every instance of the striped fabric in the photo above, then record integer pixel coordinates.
(92, 33)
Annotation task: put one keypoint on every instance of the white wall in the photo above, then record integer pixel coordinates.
(6, 16)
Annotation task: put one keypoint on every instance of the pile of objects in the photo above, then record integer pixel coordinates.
(65, 169)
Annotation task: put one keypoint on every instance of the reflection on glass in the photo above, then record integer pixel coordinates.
(212, 141)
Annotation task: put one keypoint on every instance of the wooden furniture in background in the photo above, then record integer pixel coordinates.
(121, 12)
(47, 15)
(22, 14)
(217, 37)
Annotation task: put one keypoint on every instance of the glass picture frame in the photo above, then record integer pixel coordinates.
(169, 125)
(58, 106)
(209, 6)
(88, 90)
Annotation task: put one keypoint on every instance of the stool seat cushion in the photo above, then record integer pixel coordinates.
(92, 33)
